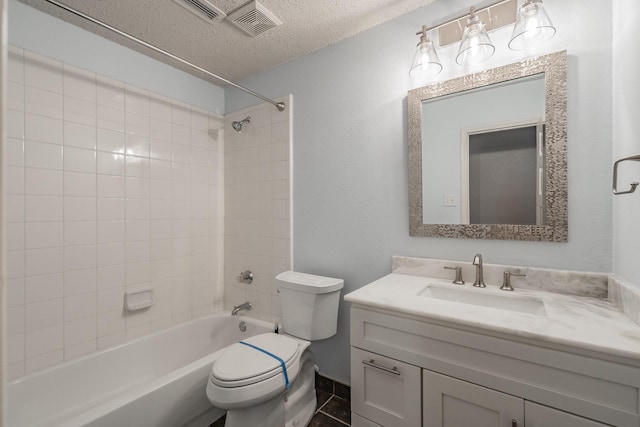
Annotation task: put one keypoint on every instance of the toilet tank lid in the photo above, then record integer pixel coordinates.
(308, 282)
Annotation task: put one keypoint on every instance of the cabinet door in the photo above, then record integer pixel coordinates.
(358, 421)
(385, 390)
(449, 402)
(543, 416)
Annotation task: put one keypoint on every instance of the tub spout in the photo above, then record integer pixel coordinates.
(243, 306)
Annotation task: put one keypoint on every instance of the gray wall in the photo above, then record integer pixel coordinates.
(350, 154)
(626, 137)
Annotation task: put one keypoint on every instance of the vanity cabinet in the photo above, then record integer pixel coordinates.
(449, 402)
(469, 377)
(386, 390)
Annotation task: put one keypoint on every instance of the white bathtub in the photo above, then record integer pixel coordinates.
(155, 381)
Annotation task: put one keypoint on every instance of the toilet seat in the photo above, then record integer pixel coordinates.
(243, 376)
(241, 365)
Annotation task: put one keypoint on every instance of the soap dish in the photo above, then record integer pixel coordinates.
(139, 299)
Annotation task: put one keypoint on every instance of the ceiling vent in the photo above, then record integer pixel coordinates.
(203, 9)
(253, 18)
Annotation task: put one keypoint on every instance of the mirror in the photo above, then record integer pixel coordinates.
(487, 154)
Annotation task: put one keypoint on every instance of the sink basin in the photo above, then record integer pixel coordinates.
(486, 298)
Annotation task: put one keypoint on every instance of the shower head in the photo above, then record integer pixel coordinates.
(237, 126)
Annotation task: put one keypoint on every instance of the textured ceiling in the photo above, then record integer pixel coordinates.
(221, 47)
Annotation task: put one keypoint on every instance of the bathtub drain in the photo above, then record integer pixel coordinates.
(242, 326)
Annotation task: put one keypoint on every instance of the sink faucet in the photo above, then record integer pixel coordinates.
(243, 306)
(479, 282)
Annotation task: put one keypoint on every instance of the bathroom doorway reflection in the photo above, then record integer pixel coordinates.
(505, 181)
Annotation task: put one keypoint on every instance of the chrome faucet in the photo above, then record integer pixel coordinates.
(479, 282)
(243, 306)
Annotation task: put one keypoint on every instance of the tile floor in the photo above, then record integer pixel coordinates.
(334, 405)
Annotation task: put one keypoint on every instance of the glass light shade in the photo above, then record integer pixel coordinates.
(425, 62)
(476, 45)
(533, 26)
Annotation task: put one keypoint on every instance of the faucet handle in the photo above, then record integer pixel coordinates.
(458, 280)
(506, 280)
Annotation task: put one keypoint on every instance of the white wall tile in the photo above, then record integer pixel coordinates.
(15, 320)
(79, 83)
(15, 152)
(80, 281)
(136, 101)
(80, 233)
(110, 163)
(79, 208)
(15, 67)
(110, 186)
(41, 208)
(43, 288)
(118, 194)
(15, 180)
(43, 182)
(110, 232)
(110, 93)
(109, 118)
(42, 102)
(137, 167)
(79, 184)
(110, 140)
(110, 322)
(77, 350)
(43, 261)
(42, 72)
(160, 109)
(80, 111)
(43, 361)
(15, 124)
(160, 149)
(80, 306)
(43, 235)
(15, 292)
(110, 209)
(111, 276)
(15, 96)
(80, 257)
(43, 314)
(110, 299)
(79, 160)
(79, 135)
(111, 254)
(40, 128)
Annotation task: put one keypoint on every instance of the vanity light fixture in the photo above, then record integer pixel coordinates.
(476, 45)
(533, 26)
(425, 62)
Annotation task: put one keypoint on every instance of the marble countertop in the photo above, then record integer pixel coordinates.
(579, 324)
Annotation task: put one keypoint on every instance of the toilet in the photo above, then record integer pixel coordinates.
(268, 380)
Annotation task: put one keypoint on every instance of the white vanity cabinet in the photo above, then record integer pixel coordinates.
(470, 377)
(386, 390)
(449, 402)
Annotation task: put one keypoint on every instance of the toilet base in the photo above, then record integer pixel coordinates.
(295, 408)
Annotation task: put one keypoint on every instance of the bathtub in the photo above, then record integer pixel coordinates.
(154, 381)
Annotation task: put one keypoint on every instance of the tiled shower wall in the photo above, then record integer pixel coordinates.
(110, 188)
(258, 207)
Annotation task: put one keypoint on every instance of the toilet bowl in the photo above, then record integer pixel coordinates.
(268, 380)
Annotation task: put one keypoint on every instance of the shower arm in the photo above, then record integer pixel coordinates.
(279, 105)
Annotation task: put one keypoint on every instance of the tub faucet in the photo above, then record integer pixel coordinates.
(479, 282)
(243, 306)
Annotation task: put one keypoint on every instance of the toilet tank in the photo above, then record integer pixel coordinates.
(309, 304)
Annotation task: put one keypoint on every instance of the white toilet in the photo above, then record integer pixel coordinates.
(249, 380)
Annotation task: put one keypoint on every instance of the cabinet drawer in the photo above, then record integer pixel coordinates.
(543, 416)
(385, 390)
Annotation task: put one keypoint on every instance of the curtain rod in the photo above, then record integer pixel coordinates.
(279, 105)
